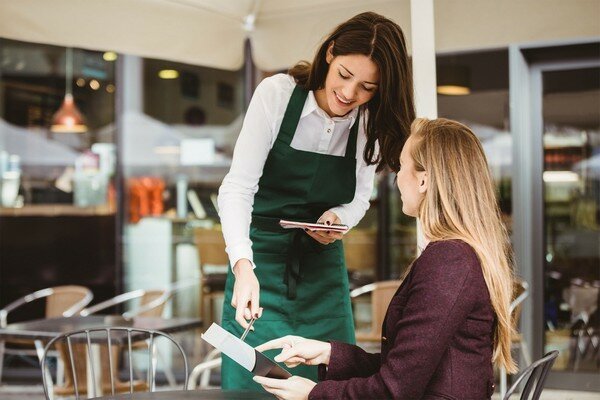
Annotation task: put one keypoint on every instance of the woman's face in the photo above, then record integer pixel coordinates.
(351, 81)
(411, 183)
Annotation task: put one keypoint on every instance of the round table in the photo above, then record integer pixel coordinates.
(205, 394)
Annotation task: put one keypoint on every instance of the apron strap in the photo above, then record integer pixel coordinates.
(292, 115)
(351, 145)
(292, 266)
(300, 240)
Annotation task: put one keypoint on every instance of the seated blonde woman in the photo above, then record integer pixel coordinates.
(449, 320)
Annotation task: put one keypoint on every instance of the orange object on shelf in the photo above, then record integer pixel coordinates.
(145, 197)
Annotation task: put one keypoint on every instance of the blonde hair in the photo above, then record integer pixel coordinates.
(460, 203)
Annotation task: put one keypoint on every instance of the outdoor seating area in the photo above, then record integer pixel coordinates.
(104, 355)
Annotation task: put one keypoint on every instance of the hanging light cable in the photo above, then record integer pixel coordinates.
(68, 118)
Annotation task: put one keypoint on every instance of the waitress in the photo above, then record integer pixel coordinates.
(308, 150)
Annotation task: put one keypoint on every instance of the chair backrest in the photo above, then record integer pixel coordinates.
(203, 370)
(64, 301)
(536, 373)
(520, 293)
(211, 247)
(108, 338)
(381, 295)
(360, 250)
(151, 303)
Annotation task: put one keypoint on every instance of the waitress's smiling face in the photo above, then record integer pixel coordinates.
(352, 80)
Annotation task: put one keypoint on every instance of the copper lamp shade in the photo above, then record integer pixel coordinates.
(68, 118)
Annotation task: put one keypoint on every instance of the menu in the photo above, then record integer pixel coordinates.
(243, 354)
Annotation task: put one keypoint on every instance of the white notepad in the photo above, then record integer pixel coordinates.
(243, 354)
(240, 352)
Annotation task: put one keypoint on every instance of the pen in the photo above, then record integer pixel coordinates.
(247, 329)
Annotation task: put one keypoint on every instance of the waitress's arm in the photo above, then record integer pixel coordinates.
(351, 213)
(236, 194)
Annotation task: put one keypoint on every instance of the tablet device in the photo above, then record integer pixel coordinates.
(313, 226)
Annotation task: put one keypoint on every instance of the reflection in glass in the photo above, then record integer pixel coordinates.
(484, 108)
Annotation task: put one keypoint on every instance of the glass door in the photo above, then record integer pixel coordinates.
(555, 124)
(571, 215)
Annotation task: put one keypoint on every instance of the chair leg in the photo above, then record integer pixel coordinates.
(119, 386)
(72, 373)
(211, 308)
(39, 347)
(152, 386)
(168, 371)
(60, 371)
(503, 385)
(525, 352)
(1, 359)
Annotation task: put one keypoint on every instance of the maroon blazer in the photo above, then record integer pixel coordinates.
(436, 338)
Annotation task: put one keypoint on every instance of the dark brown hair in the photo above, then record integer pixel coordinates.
(391, 110)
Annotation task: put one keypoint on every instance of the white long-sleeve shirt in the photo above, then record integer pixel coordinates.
(316, 132)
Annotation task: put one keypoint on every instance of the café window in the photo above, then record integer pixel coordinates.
(57, 191)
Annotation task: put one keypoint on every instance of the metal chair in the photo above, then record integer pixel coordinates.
(536, 373)
(61, 301)
(85, 339)
(151, 304)
(203, 370)
(520, 293)
(382, 293)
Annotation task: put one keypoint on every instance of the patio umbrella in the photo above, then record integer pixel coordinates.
(213, 32)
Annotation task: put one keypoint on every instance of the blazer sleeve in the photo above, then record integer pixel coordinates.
(347, 361)
(438, 302)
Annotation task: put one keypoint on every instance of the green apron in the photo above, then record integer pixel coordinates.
(303, 284)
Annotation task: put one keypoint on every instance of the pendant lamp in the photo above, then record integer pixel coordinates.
(68, 118)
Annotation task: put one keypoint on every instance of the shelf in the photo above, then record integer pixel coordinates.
(56, 210)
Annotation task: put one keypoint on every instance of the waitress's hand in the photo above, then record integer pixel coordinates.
(298, 350)
(246, 291)
(326, 237)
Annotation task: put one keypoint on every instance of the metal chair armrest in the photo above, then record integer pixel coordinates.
(79, 306)
(515, 303)
(22, 301)
(122, 298)
(149, 306)
(362, 290)
(203, 369)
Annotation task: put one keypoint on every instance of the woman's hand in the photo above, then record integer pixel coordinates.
(326, 237)
(298, 350)
(294, 388)
(246, 291)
